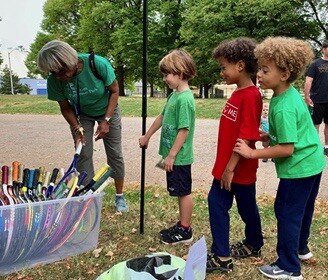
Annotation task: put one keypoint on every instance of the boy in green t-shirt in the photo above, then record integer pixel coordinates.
(176, 144)
(296, 149)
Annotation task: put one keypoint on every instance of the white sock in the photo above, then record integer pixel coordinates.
(119, 194)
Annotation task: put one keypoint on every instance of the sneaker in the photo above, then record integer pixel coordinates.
(274, 272)
(120, 204)
(325, 151)
(265, 160)
(243, 250)
(305, 254)
(177, 235)
(214, 263)
(168, 230)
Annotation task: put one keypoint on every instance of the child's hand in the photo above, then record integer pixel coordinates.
(143, 142)
(264, 136)
(242, 148)
(226, 179)
(168, 163)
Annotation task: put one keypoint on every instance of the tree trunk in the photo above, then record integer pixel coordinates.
(120, 79)
(151, 90)
(206, 89)
(200, 93)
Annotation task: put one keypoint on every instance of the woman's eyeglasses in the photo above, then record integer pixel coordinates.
(59, 73)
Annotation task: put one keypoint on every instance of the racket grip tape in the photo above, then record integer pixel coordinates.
(26, 173)
(5, 172)
(15, 173)
(54, 175)
(30, 179)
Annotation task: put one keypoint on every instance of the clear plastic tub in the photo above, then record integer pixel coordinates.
(47, 231)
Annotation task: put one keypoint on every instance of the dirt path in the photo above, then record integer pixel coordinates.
(37, 140)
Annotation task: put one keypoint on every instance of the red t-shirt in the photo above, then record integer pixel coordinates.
(240, 119)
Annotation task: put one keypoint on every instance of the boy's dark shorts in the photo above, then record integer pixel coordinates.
(320, 112)
(179, 180)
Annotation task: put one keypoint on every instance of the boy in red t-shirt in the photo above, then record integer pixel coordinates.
(235, 176)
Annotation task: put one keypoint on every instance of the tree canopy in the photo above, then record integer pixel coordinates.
(113, 29)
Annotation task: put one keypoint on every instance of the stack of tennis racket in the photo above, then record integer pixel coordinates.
(24, 185)
(34, 219)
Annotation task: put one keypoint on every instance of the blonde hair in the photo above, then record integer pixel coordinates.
(178, 62)
(55, 55)
(289, 54)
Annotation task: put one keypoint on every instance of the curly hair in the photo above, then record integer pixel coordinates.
(289, 54)
(178, 62)
(237, 49)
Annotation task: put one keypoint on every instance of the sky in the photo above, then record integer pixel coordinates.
(20, 23)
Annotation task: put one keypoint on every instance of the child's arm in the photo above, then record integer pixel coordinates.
(179, 141)
(277, 151)
(228, 173)
(143, 140)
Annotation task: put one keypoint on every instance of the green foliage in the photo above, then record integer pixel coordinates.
(5, 84)
(115, 29)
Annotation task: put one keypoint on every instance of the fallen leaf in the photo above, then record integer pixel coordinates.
(96, 252)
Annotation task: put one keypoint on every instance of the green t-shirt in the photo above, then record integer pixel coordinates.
(92, 91)
(290, 122)
(178, 113)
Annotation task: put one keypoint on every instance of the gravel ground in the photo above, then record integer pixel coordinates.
(38, 140)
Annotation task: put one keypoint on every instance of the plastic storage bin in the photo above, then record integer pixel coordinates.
(47, 231)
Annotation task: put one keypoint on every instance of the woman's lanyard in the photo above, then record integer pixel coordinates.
(77, 107)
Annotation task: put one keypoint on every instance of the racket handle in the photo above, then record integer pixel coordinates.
(45, 183)
(36, 177)
(102, 179)
(51, 185)
(15, 166)
(54, 175)
(98, 174)
(78, 148)
(103, 186)
(10, 176)
(5, 171)
(20, 172)
(30, 179)
(26, 173)
(82, 177)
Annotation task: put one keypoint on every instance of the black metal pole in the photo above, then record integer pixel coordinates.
(144, 112)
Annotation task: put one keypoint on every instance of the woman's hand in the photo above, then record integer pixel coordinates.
(102, 130)
(78, 132)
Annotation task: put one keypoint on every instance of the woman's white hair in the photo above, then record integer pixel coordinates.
(55, 55)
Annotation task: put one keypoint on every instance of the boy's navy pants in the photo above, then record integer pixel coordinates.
(219, 203)
(294, 207)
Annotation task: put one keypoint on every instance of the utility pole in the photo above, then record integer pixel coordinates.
(10, 73)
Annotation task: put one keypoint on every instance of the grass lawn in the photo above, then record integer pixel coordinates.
(119, 237)
(130, 106)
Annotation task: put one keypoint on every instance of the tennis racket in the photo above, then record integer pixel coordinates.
(15, 176)
(9, 212)
(5, 176)
(52, 181)
(95, 178)
(104, 178)
(71, 171)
